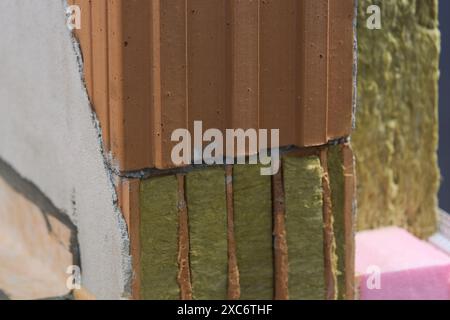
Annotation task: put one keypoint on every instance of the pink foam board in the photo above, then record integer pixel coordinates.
(392, 264)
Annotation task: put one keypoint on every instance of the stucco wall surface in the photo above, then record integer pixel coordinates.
(49, 134)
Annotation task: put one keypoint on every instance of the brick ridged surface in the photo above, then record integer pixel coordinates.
(155, 66)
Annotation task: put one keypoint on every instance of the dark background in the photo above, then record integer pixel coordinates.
(444, 105)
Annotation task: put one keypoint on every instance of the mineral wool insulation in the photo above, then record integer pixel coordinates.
(49, 135)
(395, 141)
(253, 226)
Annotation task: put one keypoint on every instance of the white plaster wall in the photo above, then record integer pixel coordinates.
(47, 133)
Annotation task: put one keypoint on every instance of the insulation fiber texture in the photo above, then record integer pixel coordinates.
(253, 231)
(337, 186)
(397, 124)
(206, 199)
(304, 227)
(159, 239)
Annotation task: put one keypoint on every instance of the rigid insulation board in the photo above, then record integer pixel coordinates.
(253, 232)
(159, 238)
(396, 138)
(155, 66)
(304, 227)
(207, 211)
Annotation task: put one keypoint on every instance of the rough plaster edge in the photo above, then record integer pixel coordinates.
(127, 269)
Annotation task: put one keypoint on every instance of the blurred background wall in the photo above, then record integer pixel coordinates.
(396, 136)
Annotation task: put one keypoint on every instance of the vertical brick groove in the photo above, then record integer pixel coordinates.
(233, 271)
(328, 233)
(184, 275)
(280, 243)
(100, 69)
(128, 195)
(340, 68)
(156, 44)
(342, 184)
(349, 220)
(313, 82)
(244, 64)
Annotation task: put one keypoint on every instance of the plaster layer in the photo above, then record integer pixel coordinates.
(396, 137)
(49, 134)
